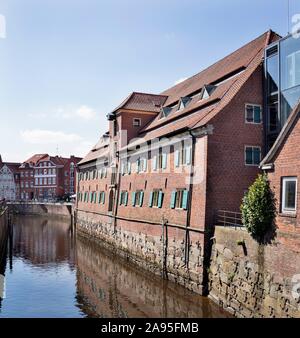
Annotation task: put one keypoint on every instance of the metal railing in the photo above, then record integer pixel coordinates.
(229, 218)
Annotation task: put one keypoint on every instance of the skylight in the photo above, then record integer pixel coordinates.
(184, 101)
(207, 91)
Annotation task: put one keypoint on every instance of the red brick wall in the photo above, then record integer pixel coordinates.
(287, 163)
(228, 176)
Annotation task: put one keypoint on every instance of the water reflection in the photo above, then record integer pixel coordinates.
(53, 274)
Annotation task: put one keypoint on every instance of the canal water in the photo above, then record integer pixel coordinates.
(47, 271)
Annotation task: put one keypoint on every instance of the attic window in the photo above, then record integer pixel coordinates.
(165, 111)
(184, 101)
(137, 122)
(207, 91)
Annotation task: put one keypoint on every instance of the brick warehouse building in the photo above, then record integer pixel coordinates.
(153, 184)
(44, 177)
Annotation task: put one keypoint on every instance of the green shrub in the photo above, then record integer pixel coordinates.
(258, 208)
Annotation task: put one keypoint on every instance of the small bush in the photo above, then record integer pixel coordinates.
(258, 208)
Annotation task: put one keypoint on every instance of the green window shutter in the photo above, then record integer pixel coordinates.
(133, 197)
(141, 198)
(145, 164)
(122, 168)
(137, 164)
(177, 159)
(99, 198)
(103, 197)
(121, 195)
(126, 198)
(248, 155)
(256, 155)
(151, 199)
(173, 199)
(164, 160)
(188, 153)
(160, 199)
(185, 199)
(154, 162)
(129, 168)
(257, 114)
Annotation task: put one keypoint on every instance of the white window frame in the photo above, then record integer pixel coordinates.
(283, 181)
(135, 119)
(253, 105)
(251, 165)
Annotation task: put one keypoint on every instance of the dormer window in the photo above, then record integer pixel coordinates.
(165, 111)
(183, 102)
(207, 91)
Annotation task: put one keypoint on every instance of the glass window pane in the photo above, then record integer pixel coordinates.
(290, 195)
(257, 114)
(273, 120)
(248, 155)
(249, 113)
(272, 74)
(256, 155)
(290, 76)
(289, 99)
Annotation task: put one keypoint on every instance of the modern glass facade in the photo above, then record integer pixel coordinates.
(282, 84)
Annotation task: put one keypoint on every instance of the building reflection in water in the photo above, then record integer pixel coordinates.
(43, 240)
(51, 273)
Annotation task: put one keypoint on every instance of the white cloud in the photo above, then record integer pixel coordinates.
(180, 80)
(68, 112)
(83, 112)
(38, 136)
(86, 112)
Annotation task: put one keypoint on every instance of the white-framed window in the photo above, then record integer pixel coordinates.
(252, 155)
(156, 199)
(136, 122)
(183, 156)
(289, 195)
(253, 113)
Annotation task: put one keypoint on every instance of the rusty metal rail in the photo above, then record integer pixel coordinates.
(229, 218)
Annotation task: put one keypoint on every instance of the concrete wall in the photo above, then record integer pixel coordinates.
(43, 209)
(255, 280)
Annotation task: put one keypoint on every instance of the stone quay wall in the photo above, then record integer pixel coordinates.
(254, 280)
(147, 247)
(43, 209)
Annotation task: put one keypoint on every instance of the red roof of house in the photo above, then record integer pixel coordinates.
(227, 76)
(224, 74)
(143, 102)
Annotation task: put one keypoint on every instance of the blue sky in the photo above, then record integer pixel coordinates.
(65, 64)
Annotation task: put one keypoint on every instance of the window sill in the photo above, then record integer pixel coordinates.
(288, 214)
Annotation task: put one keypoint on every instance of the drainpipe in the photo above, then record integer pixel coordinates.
(188, 215)
(118, 184)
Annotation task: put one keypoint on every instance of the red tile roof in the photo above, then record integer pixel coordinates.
(36, 158)
(143, 102)
(234, 67)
